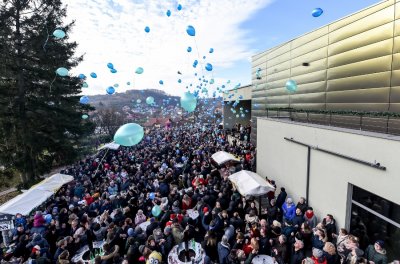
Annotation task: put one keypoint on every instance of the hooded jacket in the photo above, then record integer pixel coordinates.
(377, 257)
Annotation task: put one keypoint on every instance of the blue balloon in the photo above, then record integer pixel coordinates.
(93, 75)
(189, 49)
(129, 135)
(152, 196)
(85, 116)
(149, 100)
(110, 65)
(82, 76)
(138, 101)
(189, 102)
(110, 90)
(84, 100)
(161, 82)
(128, 83)
(211, 50)
(113, 70)
(209, 67)
(168, 13)
(179, 80)
(291, 86)
(147, 29)
(62, 72)
(317, 12)
(139, 70)
(179, 7)
(59, 34)
(191, 31)
(48, 218)
(204, 57)
(195, 62)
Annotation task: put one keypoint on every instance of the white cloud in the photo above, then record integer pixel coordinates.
(113, 31)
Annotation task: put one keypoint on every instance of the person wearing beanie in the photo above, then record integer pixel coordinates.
(376, 252)
(310, 218)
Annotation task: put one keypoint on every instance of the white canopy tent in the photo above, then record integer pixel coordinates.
(221, 157)
(111, 145)
(249, 183)
(35, 196)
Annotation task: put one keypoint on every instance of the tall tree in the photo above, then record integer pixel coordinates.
(40, 113)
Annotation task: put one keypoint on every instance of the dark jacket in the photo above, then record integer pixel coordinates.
(377, 257)
(223, 254)
(297, 257)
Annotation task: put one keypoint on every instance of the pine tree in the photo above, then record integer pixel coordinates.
(40, 113)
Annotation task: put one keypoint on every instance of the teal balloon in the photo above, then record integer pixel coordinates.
(116, 85)
(85, 85)
(147, 29)
(191, 31)
(189, 49)
(161, 82)
(139, 70)
(156, 210)
(179, 81)
(188, 102)
(168, 13)
(209, 67)
(211, 81)
(110, 90)
(62, 72)
(129, 135)
(84, 100)
(138, 101)
(85, 116)
(211, 50)
(149, 100)
(128, 83)
(58, 33)
(291, 86)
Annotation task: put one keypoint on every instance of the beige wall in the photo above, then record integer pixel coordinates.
(286, 162)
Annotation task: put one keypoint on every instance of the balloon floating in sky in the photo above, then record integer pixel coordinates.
(179, 80)
(149, 100)
(129, 135)
(147, 29)
(189, 49)
(116, 85)
(110, 65)
(59, 34)
(191, 31)
(139, 70)
(161, 82)
(93, 75)
(211, 50)
(317, 12)
(209, 67)
(85, 85)
(84, 100)
(188, 102)
(179, 7)
(62, 72)
(211, 81)
(128, 83)
(291, 86)
(85, 116)
(82, 76)
(168, 13)
(110, 90)
(113, 70)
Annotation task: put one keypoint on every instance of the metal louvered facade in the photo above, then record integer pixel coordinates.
(354, 64)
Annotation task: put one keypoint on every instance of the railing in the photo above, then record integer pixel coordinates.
(381, 122)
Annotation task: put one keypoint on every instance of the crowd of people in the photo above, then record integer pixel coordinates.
(115, 192)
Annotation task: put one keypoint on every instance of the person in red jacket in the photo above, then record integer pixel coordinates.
(89, 199)
(186, 202)
(318, 256)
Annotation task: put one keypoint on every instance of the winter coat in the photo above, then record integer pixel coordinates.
(289, 212)
(38, 220)
(223, 253)
(297, 257)
(377, 257)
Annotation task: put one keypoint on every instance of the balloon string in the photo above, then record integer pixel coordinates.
(198, 55)
(47, 39)
(51, 84)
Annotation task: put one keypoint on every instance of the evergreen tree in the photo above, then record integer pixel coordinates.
(40, 113)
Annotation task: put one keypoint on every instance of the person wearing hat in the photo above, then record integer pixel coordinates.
(376, 253)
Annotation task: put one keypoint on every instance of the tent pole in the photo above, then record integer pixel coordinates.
(259, 205)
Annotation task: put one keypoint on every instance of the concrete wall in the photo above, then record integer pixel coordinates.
(286, 163)
(230, 118)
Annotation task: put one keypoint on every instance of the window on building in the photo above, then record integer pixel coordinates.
(375, 218)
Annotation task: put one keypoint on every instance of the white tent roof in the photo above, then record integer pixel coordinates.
(221, 157)
(35, 196)
(111, 145)
(249, 183)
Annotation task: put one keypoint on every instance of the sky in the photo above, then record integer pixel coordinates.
(113, 31)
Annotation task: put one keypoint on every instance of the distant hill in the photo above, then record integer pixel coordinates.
(119, 100)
